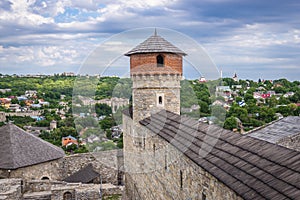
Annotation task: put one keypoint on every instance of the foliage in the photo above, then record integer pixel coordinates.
(230, 123)
(102, 146)
(102, 109)
(187, 94)
(219, 112)
(107, 123)
(92, 131)
(20, 121)
(120, 142)
(86, 122)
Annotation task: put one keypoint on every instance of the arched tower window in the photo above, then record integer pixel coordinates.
(67, 196)
(160, 61)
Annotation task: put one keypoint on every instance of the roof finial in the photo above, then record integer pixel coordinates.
(155, 32)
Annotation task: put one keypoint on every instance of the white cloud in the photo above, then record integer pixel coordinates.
(20, 14)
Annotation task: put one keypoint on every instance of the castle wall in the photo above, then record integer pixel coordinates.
(105, 163)
(17, 189)
(10, 189)
(154, 169)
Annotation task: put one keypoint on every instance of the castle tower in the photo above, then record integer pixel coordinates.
(156, 71)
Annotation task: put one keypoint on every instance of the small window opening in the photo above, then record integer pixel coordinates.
(181, 179)
(160, 100)
(166, 164)
(160, 61)
(203, 196)
(45, 178)
(67, 196)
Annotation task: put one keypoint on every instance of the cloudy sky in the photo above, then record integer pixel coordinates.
(255, 38)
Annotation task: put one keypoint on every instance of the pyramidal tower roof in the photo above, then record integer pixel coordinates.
(155, 44)
(20, 149)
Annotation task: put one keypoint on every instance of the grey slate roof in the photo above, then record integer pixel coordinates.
(155, 44)
(84, 175)
(278, 130)
(253, 168)
(19, 148)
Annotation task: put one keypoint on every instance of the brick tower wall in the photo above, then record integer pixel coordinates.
(173, 61)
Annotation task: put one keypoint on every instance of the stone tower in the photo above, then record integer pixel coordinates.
(156, 71)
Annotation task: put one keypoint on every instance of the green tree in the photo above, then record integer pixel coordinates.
(272, 102)
(230, 123)
(107, 123)
(204, 108)
(102, 109)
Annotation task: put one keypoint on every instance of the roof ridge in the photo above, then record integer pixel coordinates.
(263, 126)
(155, 44)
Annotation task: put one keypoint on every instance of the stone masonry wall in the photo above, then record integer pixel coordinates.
(156, 170)
(292, 142)
(10, 189)
(105, 163)
(146, 91)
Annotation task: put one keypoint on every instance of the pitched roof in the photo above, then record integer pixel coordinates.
(19, 148)
(155, 44)
(253, 168)
(278, 130)
(84, 175)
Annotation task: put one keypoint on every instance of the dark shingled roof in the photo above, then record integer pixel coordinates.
(278, 130)
(20, 149)
(155, 44)
(85, 175)
(253, 168)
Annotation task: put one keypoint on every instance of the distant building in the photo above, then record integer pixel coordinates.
(202, 79)
(3, 91)
(30, 93)
(223, 91)
(2, 117)
(66, 141)
(68, 74)
(235, 77)
(236, 87)
(53, 125)
(15, 107)
(115, 103)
